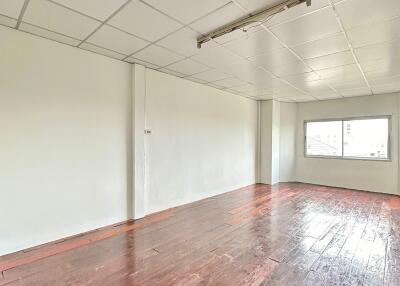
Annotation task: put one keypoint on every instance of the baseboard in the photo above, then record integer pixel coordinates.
(345, 188)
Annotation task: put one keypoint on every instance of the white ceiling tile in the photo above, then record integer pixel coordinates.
(183, 42)
(216, 57)
(355, 92)
(53, 17)
(288, 95)
(316, 87)
(274, 58)
(254, 44)
(269, 97)
(48, 34)
(274, 84)
(306, 29)
(284, 95)
(296, 12)
(358, 12)
(234, 91)
(309, 86)
(237, 34)
(211, 75)
(375, 64)
(304, 77)
(289, 69)
(157, 56)
(196, 80)
(378, 51)
(260, 78)
(303, 98)
(143, 63)
(380, 64)
(171, 72)
(99, 9)
(256, 5)
(188, 10)
(388, 88)
(348, 72)
(7, 21)
(244, 88)
(102, 51)
(247, 71)
(327, 96)
(260, 92)
(329, 45)
(248, 62)
(282, 99)
(346, 85)
(11, 8)
(116, 40)
(143, 21)
(391, 70)
(332, 60)
(281, 87)
(188, 67)
(221, 17)
(229, 82)
(385, 80)
(209, 44)
(214, 85)
(374, 33)
(271, 86)
(240, 66)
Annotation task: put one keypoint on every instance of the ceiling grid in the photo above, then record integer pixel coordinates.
(297, 55)
(349, 44)
(21, 14)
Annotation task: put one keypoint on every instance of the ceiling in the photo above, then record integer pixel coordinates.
(333, 49)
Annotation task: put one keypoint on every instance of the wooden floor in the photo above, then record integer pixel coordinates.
(292, 234)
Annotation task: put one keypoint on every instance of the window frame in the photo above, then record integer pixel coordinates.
(343, 119)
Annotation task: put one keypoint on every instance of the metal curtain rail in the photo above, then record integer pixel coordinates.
(258, 17)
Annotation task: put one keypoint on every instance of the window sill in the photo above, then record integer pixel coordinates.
(347, 158)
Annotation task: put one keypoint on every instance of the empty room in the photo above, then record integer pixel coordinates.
(199, 142)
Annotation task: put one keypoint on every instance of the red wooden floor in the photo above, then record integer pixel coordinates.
(292, 234)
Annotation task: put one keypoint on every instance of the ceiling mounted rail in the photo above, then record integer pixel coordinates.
(258, 17)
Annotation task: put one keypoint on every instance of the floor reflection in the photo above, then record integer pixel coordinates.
(288, 234)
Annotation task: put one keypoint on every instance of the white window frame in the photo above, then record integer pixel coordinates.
(389, 147)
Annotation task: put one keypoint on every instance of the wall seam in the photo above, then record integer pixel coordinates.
(131, 150)
(296, 133)
(397, 143)
(258, 175)
(145, 173)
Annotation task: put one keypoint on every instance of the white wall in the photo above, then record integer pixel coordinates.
(73, 147)
(284, 123)
(139, 125)
(65, 140)
(266, 129)
(287, 142)
(278, 142)
(203, 141)
(356, 174)
(276, 129)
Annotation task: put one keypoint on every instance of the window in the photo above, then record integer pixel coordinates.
(324, 138)
(360, 138)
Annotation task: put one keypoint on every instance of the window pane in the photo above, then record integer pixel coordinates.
(324, 138)
(366, 138)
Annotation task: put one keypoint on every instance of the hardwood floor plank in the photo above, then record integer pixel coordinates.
(287, 234)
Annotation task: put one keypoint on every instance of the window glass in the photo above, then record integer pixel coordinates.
(324, 138)
(366, 138)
